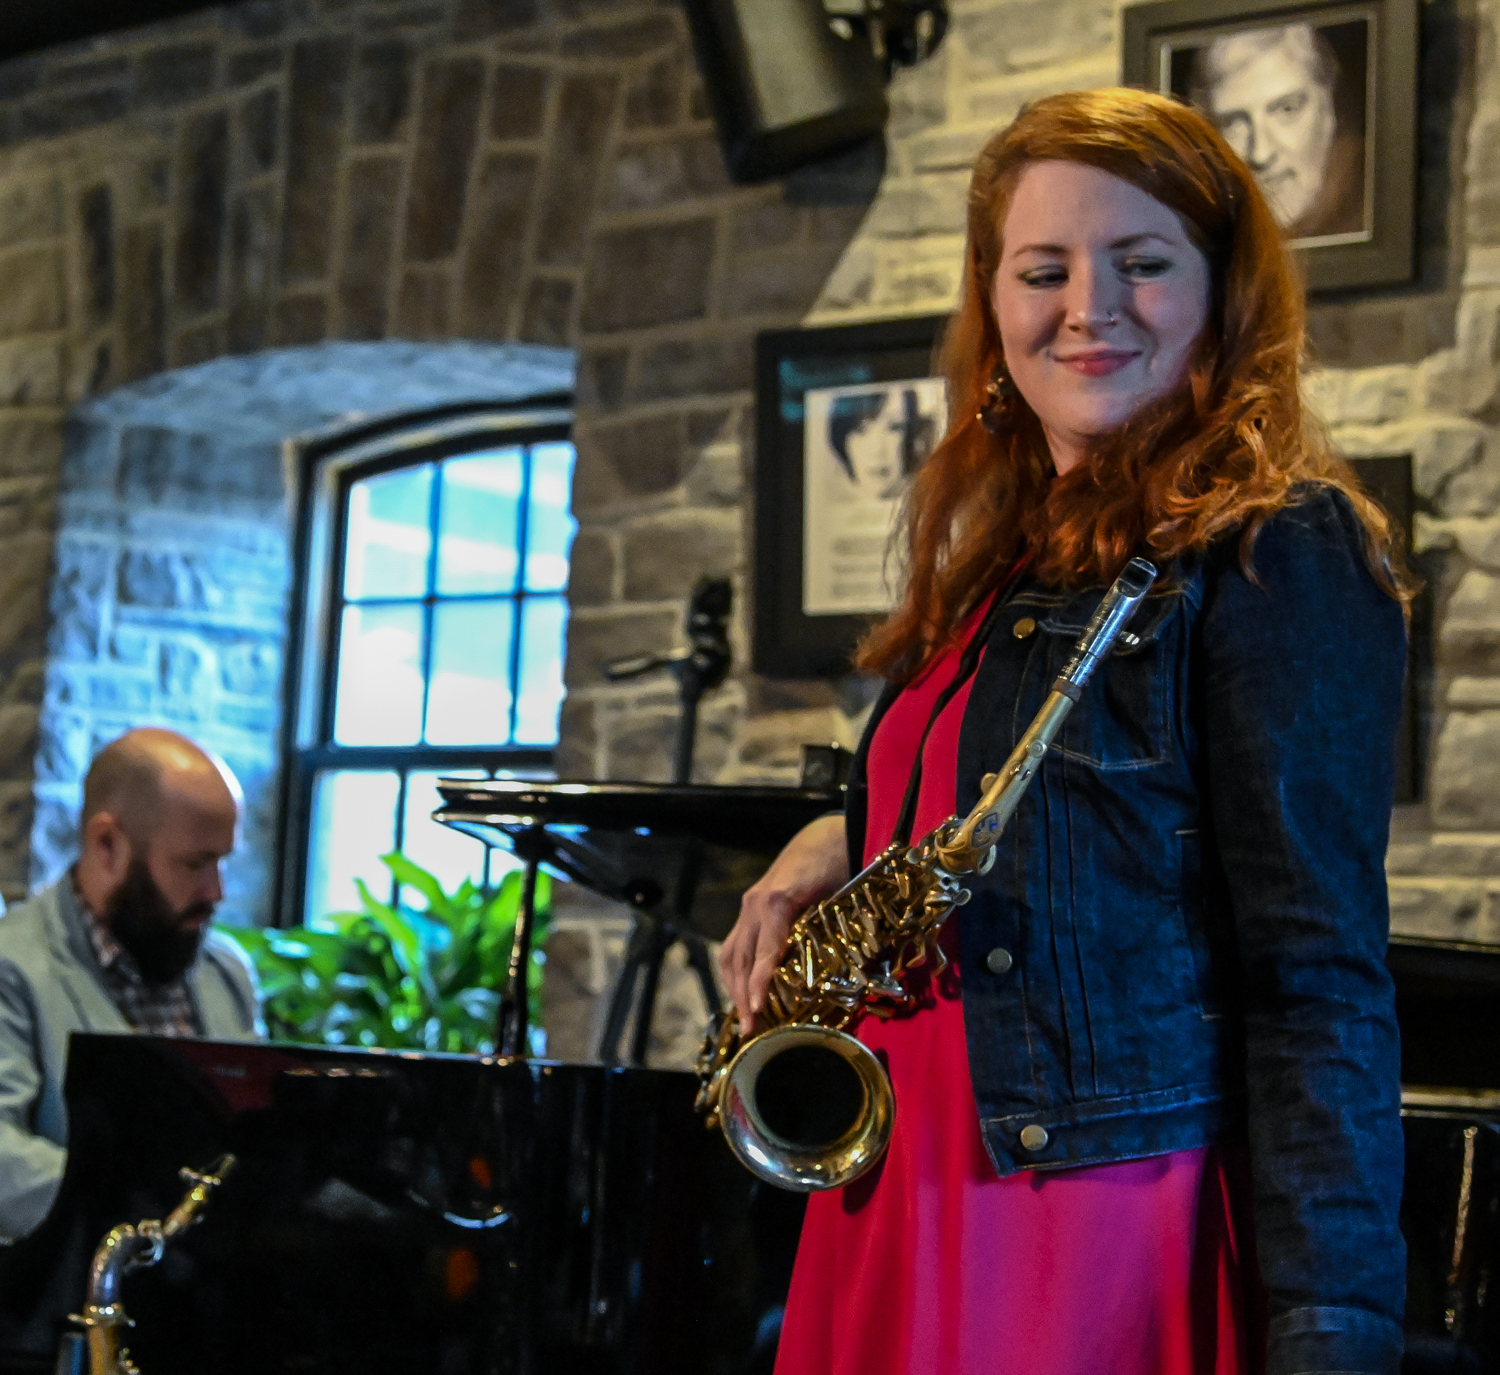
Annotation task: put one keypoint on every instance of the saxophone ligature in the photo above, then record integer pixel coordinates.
(128, 1248)
(803, 1104)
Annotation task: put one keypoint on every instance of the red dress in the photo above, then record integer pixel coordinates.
(931, 1264)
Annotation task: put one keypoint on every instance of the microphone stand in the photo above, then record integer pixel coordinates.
(700, 667)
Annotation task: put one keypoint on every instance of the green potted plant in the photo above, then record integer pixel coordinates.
(395, 976)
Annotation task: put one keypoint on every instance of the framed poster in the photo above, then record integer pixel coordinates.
(844, 416)
(1320, 101)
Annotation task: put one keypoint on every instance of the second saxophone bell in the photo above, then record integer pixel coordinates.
(807, 1109)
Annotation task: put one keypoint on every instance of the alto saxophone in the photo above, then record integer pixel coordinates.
(803, 1104)
(128, 1248)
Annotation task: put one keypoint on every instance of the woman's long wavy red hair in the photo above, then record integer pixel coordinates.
(1221, 454)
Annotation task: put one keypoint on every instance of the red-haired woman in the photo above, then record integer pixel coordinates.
(1148, 1122)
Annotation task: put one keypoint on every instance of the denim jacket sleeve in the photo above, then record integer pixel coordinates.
(1301, 685)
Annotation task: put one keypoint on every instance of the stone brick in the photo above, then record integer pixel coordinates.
(260, 131)
(644, 276)
(784, 281)
(548, 312)
(254, 64)
(446, 133)
(315, 117)
(641, 458)
(250, 669)
(172, 467)
(626, 38)
(1472, 620)
(492, 265)
(96, 217)
(176, 74)
(197, 344)
(382, 91)
(584, 109)
(252, 261)
(1022, 36)
(25, 561)
(30, 446)
(424, 308)
(769, 224)
(64, 753)
(665, 171)
(518, 104)
(594, 638)
(31, 372)
(300, 319)
(78, 587)
(1442, 910)
(30, 210)
(577, 741)
(591, 569)
(373, 189)
(15, 813)
(89, 71)
(601, 378)
(260, 18)
(655, 99)
(481, 18)
(1466, 763)
(202, 176)
(709, 366)
(143, 301)
(665, 555)
(31, 291)
(67, 114)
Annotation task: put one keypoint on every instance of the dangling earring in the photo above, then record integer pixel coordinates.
(999, 400)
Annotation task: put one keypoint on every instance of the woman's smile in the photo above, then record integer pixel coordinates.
(1100, 296)
(1098, 362)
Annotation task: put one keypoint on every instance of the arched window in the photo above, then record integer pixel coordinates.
(432, 573)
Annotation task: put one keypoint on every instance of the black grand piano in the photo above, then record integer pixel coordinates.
(398, 1212)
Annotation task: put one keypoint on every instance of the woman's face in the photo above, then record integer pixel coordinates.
(1100, 296)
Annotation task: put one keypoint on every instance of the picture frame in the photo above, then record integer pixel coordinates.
(844, 413)
(1320, 99)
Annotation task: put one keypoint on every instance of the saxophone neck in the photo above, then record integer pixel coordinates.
(967, 846)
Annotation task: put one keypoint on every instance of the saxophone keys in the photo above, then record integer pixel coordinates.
(961, 896)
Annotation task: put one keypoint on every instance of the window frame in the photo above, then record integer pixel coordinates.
(325, 465)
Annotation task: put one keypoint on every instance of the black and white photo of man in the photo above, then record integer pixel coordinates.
(1290, 100)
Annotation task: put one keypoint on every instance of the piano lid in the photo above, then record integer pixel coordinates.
(394, 1213)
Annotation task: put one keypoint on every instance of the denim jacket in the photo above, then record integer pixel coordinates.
(1192, 898)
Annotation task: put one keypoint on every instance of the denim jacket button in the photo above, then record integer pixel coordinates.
(1022, 628)
(998, 961)
(1033, 1138)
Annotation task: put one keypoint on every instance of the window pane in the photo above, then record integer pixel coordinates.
(479, 523)
(449, 856)
(549, 526)
(389, 535)
(379, 694)
(353, 824)
(469, 702)
(543, 623)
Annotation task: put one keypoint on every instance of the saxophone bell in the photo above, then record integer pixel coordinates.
(806, 1107)
(803, 1104)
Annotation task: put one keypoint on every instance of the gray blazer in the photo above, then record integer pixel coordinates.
(49, 988)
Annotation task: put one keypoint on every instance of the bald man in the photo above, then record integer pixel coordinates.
(121, 943)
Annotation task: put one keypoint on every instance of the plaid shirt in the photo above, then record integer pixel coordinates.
(158, 1010)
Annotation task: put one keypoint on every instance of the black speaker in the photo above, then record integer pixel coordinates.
(784, 87)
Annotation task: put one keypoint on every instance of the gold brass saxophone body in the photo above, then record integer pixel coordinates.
(803, 1104)
(127, 1248)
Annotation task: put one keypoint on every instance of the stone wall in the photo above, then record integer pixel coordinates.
(169, 593)
(275, 173)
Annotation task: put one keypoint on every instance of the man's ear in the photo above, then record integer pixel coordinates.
(106, 847)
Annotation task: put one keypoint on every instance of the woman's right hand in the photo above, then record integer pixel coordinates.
(814, 864)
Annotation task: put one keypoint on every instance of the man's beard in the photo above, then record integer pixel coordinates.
(145, 923)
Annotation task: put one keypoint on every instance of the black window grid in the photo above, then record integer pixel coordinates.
(494, 760)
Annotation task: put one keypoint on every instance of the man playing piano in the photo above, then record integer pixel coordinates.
(121, 942)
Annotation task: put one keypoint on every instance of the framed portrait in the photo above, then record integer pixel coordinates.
(1320, 101)
(844, 416)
